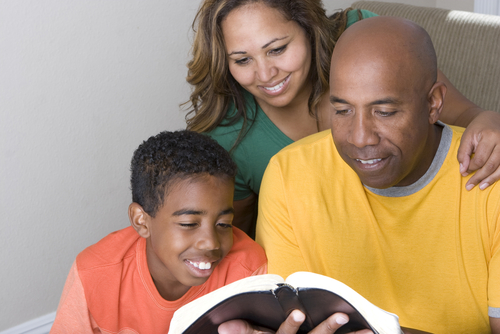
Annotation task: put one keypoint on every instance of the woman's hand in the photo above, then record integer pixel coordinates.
(290, 326)
(482, 140)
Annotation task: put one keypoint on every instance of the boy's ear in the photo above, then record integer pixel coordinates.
(139, 219)
(436, 100)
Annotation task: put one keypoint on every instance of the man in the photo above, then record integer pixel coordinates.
(381, 207)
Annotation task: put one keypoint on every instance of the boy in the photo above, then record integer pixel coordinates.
(181, 244)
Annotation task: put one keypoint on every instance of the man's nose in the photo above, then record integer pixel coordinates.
(363, 132)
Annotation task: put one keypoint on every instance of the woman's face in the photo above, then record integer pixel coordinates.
(269, 56)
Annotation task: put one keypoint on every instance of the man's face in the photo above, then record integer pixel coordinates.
(380, 121)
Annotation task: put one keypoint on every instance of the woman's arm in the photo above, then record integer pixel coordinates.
(480, 147)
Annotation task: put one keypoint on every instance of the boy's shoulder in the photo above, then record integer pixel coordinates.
(245, 258)
(110, 250)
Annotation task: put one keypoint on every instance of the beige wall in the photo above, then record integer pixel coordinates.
(82, 83)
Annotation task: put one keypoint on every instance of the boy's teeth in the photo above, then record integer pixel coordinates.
(278, 86)
(369, 162)
(201, 265)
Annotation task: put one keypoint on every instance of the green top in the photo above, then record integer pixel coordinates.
(262, 140)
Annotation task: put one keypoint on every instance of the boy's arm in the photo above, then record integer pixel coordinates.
(72, 313)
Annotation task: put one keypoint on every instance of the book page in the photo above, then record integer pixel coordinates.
(381, 320)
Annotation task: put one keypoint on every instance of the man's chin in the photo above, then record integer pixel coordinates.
(377, 183)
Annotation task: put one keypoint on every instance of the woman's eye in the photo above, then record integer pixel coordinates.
(278, 51)
(242, 61)
(342, 111)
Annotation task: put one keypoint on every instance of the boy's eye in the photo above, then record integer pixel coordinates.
(278, 51)
(188, 225)
(225, 224)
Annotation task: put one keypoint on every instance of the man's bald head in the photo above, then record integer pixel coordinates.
(399, 44)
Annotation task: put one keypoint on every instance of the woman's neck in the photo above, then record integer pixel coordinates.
(294, 119)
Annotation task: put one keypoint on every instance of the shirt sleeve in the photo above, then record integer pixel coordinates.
(353, 16)
(274, 227)
(72, 313)
(494, 266)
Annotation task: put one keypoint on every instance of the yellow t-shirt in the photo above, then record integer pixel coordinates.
(431, 256)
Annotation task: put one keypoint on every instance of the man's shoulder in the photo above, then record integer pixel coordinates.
(320, 139)
(310, 145)
(110, 250)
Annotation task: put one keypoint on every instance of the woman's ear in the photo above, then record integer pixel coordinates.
(436, 100)
(139, 219)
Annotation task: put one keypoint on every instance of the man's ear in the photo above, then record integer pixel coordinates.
(436, 100)
(139, 219)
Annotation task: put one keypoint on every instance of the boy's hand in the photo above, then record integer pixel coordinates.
(290, 326)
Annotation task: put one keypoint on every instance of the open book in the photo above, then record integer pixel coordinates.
(266, 300)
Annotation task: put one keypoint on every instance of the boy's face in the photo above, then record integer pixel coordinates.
(191, 233)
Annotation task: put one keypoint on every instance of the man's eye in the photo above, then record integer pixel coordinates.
(385, 113)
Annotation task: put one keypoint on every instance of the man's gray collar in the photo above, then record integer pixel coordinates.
(437, 162)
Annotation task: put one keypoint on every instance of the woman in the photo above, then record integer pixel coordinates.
(260, 74)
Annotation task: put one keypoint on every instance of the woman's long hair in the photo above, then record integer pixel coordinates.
(213, 85)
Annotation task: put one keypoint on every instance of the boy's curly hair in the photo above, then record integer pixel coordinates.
(171, 156)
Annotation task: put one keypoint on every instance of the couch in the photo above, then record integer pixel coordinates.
(467, 46)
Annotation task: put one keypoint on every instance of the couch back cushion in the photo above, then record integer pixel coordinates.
(467, 46)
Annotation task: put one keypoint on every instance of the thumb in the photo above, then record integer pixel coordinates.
(292, 322)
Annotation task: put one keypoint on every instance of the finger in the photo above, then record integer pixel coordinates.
(488, 174)
(464, 153)
(482, 155)
(292, 323)
(241, 327)
(334, 322)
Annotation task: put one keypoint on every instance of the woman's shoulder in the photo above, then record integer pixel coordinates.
(227, 132)
(353, 16)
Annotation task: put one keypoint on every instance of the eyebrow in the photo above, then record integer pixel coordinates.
(388, 100)
(183, 212)
(263, 47)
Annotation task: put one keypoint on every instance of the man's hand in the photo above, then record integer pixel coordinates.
(481, 138)
(290, 326)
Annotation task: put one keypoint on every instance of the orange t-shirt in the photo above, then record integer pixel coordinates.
(109, 288)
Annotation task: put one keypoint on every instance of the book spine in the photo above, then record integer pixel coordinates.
(289, 300)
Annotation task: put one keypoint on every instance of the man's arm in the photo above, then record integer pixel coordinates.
(274, 228)
(495, 325)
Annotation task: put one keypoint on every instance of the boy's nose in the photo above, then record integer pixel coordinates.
(208, 239)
